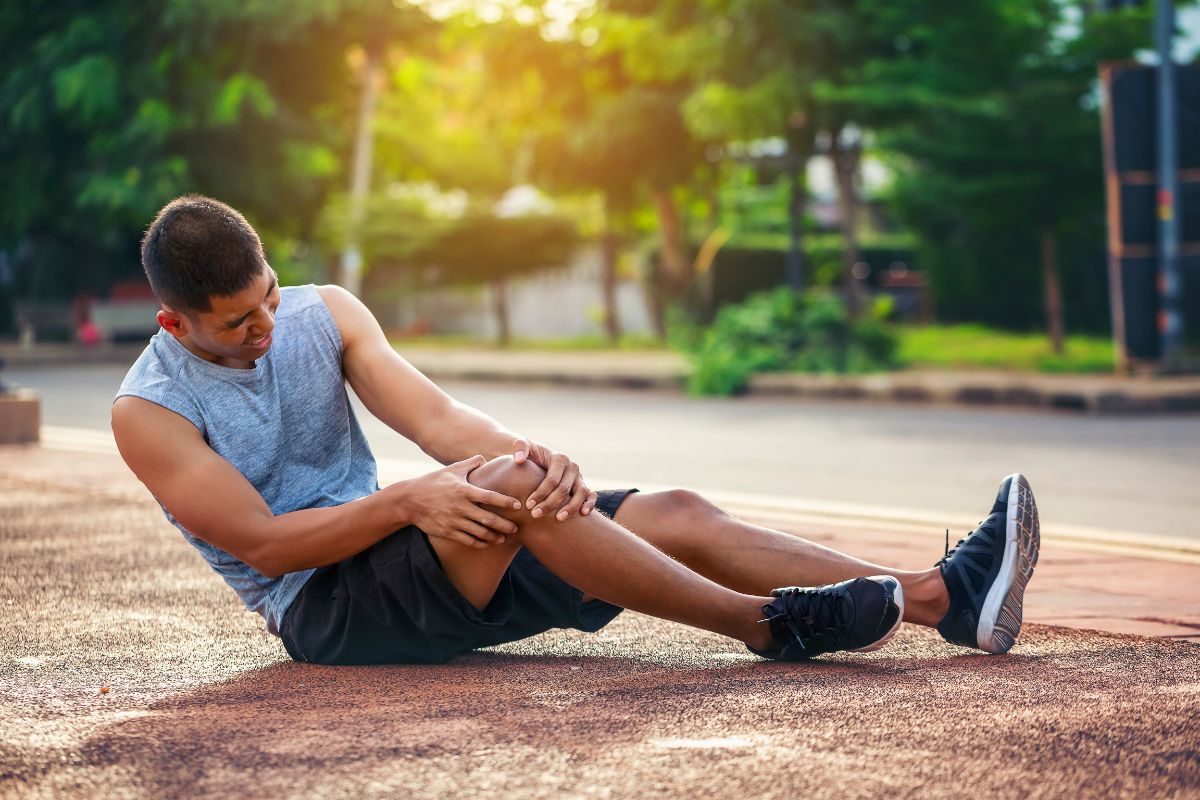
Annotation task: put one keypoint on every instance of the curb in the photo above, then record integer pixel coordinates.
(1090, 395)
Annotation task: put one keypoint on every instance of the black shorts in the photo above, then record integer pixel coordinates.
(393, 604)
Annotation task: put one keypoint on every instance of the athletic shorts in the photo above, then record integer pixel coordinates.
(393, 604)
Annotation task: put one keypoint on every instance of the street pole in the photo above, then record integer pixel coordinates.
(1170, 321)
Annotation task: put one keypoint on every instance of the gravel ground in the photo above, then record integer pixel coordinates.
(201, 702)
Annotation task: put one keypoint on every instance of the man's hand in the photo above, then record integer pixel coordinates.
(563, 487)
(444, 504)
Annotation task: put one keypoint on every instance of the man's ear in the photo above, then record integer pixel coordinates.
(172, 322)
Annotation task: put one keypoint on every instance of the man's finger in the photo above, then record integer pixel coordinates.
(578, 498)
(464, 539)
(562, 492)
(480, 532)
(466, 465)
(520, 450)
(590, 503)
(489, 498)
(494, 521)
(553, 478)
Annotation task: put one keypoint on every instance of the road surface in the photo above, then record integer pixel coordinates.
(1130, 474)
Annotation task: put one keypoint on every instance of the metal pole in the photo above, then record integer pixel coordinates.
(1170, 321)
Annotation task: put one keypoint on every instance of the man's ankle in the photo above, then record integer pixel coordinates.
(926, 600)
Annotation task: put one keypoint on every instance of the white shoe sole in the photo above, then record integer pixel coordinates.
(898, 599)
(1000, 617)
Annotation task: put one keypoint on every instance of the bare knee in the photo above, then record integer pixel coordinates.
(506, 476)
(686, 505)
(679, 522)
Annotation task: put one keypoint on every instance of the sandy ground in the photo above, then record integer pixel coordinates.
(97, 591)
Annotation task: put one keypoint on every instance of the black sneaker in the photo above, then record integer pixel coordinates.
(859, 615)
(986, 573)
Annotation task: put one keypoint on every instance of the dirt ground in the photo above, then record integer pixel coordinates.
(97, 591)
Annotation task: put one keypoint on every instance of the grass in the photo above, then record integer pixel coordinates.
(958, 346)
(937, 346)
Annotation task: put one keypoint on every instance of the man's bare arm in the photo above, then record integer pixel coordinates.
(215, 502)
(404, 399)
(413, 406)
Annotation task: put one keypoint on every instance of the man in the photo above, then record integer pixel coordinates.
(236, 418)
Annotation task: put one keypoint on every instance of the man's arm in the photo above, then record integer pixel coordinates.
(416, 408)
(403, 398)
(215, 502)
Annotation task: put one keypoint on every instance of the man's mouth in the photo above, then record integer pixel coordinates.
(260, 343)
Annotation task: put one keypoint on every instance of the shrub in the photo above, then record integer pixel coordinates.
(780, 331)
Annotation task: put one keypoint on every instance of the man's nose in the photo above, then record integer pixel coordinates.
(263, 323)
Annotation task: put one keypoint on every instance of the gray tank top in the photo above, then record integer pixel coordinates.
(286, 425)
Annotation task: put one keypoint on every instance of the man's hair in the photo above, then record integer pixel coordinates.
(198, 248)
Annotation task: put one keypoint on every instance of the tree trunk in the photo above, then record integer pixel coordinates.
(500, 309)
(608, 276)
(360, 178)
(797, 199)
(674, 270)
(1051, 289)
(800, 147)
(846, 158)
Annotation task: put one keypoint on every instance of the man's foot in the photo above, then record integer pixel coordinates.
(859, 614)
(986, 572)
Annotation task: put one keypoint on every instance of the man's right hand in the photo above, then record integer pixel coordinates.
(444, 504)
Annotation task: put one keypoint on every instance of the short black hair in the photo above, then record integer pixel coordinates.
(198, 248)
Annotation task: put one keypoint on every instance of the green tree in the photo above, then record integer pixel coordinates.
(989, 106)
(109, 110)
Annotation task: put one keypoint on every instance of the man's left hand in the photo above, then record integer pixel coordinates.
(563, 488)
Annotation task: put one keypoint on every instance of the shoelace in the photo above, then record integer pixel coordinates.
(827, 602)
(950, 551)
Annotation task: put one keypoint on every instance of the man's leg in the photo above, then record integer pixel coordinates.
(754, 560)
(603, 560)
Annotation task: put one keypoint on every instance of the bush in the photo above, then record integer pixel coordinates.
(780, 331)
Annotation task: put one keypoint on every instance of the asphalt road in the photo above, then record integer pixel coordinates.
(1117, 473)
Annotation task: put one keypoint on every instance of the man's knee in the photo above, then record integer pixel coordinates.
(684, 504)
(506, 476)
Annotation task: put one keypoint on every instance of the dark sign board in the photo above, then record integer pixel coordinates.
(1131, 183)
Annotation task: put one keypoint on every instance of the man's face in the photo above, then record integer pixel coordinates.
(236, 331)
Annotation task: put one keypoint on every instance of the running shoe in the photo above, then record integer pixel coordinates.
(858, 615)
(986, 572)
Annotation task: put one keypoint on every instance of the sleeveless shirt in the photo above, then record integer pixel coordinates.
(287, 425)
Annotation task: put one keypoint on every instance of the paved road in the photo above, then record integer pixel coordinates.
(1125, 474)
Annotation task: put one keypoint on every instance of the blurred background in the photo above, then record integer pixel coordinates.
(740, 186)
(591, 169)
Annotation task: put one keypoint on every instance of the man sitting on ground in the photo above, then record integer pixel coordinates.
(236, 418)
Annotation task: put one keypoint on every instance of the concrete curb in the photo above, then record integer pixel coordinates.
(1085, 393)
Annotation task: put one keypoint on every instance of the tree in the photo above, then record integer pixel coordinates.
(487, 248)
(110, 110)
(989, 105)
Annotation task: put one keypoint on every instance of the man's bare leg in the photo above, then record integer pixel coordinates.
(602, 559)
(752, 559)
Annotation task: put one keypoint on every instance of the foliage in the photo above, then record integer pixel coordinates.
(975, 346)
(109, 110)
(781, 331)
(987, 109)
(483, 247)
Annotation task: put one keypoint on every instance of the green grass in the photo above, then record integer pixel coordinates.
(627, 342)
(944, 346)
(980, 346)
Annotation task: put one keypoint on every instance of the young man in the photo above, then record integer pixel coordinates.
(236, 418)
